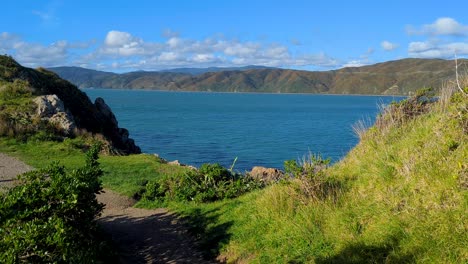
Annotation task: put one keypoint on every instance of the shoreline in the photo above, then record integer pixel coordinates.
(219, 92)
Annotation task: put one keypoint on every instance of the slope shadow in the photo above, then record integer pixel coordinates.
(158, 238)
(362, 253)
(211, 235)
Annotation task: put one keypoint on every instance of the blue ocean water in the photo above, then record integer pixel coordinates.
(258, 129)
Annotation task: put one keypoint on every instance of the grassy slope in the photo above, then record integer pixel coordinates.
(402, 201)
(124, 174)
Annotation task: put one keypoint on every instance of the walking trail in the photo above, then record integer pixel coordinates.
(142, 236)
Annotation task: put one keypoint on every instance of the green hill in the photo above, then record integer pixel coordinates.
(401, 77)
(400, 196)
(20, 85)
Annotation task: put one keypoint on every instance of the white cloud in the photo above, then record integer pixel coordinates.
(35, 55)
(355, 63)
(442, 26)
(118, 38)
(241, 49)
(123, 51)
(176, 51)
(7, 42)
(388, 46)
(445, 38)
(203, 58)
(437, 50)
(121, 44)
(169, 56)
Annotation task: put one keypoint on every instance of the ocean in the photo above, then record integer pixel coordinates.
(255, 129)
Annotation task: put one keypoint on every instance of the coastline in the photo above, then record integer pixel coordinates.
(219, 92)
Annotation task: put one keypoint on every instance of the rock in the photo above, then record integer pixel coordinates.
(267, 175)
(52, 109)
(175, 163)
(119, 136)
(124, 134)
(106, 111)
(48, 105)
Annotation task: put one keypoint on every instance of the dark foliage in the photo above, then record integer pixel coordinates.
(211, 182)
(51, 216)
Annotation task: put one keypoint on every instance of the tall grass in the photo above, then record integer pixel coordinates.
(402, 198)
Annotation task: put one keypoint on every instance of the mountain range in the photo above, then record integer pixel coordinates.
(400, 77)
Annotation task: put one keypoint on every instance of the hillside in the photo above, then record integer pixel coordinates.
(400, 77)
(21, 86)
(400, 196)
(198, 71)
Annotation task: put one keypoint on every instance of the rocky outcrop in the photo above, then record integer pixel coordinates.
(63, 104)
(52, 109)
(119, 136)
(267, 175)
(106, 111)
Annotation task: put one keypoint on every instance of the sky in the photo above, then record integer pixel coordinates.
(122, 36)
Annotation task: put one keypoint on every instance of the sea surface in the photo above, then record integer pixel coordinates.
(257, 129)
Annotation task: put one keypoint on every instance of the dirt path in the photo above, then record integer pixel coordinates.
(143, 236)
(9, 168)
(146, 236)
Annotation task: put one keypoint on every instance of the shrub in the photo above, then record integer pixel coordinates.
(211, 182)
(399, 112)
(14, 90)
(51, 216)
(314, 183)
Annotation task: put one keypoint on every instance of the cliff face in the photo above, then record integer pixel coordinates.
(92, 117)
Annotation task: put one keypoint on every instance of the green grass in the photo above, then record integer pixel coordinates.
(402, 198)
(123, 174)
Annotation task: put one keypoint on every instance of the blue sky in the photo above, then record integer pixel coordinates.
(127, 35)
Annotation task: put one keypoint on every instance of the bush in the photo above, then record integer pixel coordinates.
(14, 90)
(399, 112)
(314, 183)
(211, 182)
(51, 216)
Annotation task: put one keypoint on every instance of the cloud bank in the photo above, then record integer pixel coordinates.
(125, 51)
(446, 38)
(122, 51)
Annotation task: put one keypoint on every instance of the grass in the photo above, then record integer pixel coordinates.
(402, 197)
(123, 174)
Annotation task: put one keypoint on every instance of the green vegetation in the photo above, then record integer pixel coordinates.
(124, 174)
(210, 182)
(19, 84)
(50, 217)
(400, 196)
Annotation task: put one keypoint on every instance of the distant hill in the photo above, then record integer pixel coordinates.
(198, 71)
(399, 77)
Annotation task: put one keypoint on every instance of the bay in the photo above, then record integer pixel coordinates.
(257, 129)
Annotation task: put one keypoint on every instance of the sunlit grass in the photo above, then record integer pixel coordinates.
(124, 174)
(402, 198)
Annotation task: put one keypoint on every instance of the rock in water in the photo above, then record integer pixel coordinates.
(106, 111)
(119, 136)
